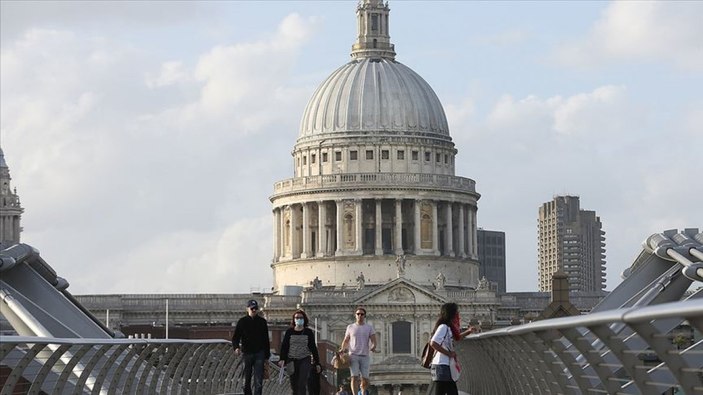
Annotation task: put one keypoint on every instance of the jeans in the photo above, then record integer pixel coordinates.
(254, 363)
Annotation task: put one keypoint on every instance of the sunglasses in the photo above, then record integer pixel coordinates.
(253, 308)
(360, 313)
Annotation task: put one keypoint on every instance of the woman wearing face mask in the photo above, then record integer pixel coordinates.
(297, 348)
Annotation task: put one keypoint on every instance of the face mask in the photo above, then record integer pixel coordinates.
(299, 321)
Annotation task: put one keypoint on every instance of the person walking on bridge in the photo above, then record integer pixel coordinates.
(251, 338)
(299, 349)
(361, 339)
(446, 331)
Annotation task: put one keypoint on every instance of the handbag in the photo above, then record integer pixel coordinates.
(455, 368)
(340, 360)
(427, 355)
(267, 370)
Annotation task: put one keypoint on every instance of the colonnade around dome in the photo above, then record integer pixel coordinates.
(437, 237)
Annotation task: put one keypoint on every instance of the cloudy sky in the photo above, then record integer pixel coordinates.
(144, 138)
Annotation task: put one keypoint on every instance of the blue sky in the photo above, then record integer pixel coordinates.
(144, 138)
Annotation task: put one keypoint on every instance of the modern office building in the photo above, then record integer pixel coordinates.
(571, 240)
(10, 208)
(491, 258)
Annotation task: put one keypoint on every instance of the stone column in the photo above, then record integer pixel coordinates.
(340, 226)
(435, 229)
(276, 234)
(462, 239)
(293, 232)
(398, 227)
(449, 234)
(281, 231)
(321, 219)
(358, 203)
(379, 228)
(417, 227)
(474, 233)
(306, 232)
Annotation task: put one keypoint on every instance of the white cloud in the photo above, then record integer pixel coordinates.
(594, 113)
(161, 173)
(171, 73)
(668, 32)
(250, 71)
(596, 144)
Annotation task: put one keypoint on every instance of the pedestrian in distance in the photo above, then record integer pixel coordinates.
(360, 337)
(445, 332)
(342, 391)
(251, 340)
(299, 349)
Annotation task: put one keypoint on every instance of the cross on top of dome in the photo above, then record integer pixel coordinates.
(373, 39)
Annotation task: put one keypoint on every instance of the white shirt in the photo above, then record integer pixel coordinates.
(442, 336)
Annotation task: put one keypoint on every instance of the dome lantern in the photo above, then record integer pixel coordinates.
(373, 39)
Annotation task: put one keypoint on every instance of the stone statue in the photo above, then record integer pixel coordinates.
(400, 265)
(441, 280)
(483, 284)
(360, 280)
(316, 283)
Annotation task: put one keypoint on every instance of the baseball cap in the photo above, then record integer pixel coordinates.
(252, 303)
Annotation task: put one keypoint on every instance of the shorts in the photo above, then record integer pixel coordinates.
(360, 364)
(441, 373)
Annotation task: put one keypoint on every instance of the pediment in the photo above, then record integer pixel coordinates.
(401, 291)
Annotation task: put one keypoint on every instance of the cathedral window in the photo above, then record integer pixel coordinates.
(324, 157)
(428, 156)
(312, 158)
(385, 154)
(401, 332)
(416, 155)
(437, 158)
(353, 155)
(401, 154)
(446, 159)
(305, 160)
(374, 22)
(338, 156)
(369, 154)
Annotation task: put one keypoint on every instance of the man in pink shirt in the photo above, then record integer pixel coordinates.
(361, 339)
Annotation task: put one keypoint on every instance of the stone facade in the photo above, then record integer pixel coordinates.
(374, 214)
(10, 208)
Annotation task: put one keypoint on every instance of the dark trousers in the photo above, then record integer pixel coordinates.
(445, 388)
(299, 379)
(254, 364)
(314, 382)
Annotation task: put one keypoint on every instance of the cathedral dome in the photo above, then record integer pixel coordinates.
(377, 95)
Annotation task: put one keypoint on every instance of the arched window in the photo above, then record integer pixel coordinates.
(401, 334)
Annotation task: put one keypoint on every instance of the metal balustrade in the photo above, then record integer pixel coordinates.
(625, 351)
(34, 365)
(640, 339)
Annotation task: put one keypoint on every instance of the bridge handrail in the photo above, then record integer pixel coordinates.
(97, 366)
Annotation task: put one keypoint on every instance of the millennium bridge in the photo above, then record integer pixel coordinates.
(643, 338)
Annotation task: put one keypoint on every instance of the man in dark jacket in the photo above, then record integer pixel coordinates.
(251, 338)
